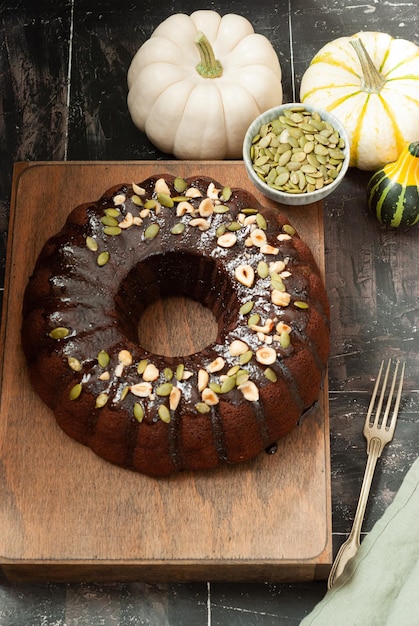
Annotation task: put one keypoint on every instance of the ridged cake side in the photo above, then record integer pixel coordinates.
(165, 236)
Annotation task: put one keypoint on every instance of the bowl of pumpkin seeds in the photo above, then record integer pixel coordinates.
(296, 154)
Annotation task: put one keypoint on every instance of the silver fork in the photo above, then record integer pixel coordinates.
(377, 436)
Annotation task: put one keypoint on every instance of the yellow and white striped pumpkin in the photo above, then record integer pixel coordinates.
(370, 82)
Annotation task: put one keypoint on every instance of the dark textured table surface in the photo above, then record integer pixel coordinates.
(63, 97)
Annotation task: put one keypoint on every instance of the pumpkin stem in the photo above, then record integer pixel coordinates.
(414, 149)
(372, 81)
(405, 170)
(209, 66)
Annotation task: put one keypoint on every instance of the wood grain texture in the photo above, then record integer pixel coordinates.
(246, 522)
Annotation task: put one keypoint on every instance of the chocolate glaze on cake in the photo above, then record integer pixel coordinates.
(165, 236)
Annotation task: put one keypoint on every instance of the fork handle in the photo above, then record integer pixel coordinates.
(374, 451)
(350, 547)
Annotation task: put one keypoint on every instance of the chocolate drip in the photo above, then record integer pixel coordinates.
(260, 416)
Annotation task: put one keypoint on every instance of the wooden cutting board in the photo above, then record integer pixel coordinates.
(66, 515)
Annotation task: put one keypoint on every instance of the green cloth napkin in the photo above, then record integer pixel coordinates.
(380, 586)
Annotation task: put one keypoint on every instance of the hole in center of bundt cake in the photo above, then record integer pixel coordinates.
(183, 327)
(176, 303)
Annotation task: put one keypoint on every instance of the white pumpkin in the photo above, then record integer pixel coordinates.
(199, 81)
(370, 82)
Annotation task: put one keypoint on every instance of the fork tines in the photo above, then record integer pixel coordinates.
(374, 424)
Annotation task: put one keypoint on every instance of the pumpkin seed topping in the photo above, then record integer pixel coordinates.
(277, 282)
(91, 244)
(103, 258)
(151, 204)
(180, 184)
(215, 387)
(245, 357)
(202, 407)
(103, 358)
(300, 305)
(221, 208)
(165, 200)
(112, 230)
(284, 340)
(141, 366)
(152, 231)
(246, 307)
(168, 373)
(287, 228)
(178, 228)
(262, 269)
(136, 200)
(138, 411)
(253, 319)
(271, 374)
(226, 193)
(59, 333)
(179, 371)
(233, 370)
(164, 389)
(261, 222)
(74, 363)
(124, 392)
(242, 377)
(112, 212)
(109, 221)
(228, 384)
(101, 400)
(75, 391)
(164, 413)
